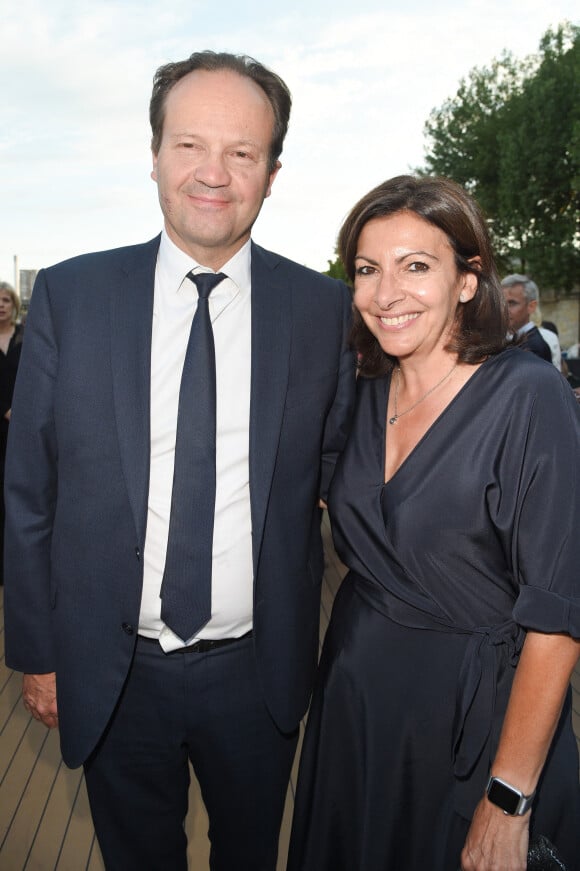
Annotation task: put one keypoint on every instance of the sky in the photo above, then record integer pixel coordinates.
(75, 80)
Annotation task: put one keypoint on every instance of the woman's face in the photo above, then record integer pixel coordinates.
(6, 307)
(407, 286)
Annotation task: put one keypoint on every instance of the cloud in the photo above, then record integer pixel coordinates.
(74, 159)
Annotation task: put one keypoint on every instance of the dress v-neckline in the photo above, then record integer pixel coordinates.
(429, 429)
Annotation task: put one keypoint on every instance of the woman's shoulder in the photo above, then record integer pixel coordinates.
(517, 365)
(522, 379)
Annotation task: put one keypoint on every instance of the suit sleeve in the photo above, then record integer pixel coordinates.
(30, 494)
(338, 420)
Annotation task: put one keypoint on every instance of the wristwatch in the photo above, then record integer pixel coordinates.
(512, 801)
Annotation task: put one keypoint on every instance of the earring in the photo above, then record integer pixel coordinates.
(461, 297)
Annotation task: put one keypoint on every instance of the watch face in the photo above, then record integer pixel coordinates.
(503, 796)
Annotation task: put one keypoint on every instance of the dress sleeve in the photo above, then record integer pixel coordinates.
(546, 542)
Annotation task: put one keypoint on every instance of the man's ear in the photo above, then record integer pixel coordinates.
(271, 178)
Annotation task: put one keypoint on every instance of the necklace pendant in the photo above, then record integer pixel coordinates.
(393, 419)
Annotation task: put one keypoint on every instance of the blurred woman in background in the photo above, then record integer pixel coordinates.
(10, 346)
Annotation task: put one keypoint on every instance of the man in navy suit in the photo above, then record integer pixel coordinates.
(522, 296)
(90, 470)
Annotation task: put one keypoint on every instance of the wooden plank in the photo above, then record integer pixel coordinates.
(5, 673)
(95, 862)
(78, 838)
(33, 801)
(15, 721)
(51, 832)
(196, 828)
(17, 776)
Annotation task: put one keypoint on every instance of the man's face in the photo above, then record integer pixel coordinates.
(519, 309)
(212, 166)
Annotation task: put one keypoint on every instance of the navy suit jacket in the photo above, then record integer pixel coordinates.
(533, 341)
(78, 468)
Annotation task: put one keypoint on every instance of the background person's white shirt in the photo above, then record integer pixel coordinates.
(553, 342)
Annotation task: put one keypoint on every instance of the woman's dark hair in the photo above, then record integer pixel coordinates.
(481, 325)
(210, 61)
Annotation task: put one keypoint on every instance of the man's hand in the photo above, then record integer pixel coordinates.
(39, 696)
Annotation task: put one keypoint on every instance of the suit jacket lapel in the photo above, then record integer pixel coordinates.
(131, 325)
(271, 335)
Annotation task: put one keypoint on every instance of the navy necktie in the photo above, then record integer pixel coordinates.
(186, 588)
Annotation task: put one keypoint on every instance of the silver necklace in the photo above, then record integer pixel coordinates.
(396, 415)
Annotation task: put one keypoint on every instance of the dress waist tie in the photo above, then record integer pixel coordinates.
(477, 719)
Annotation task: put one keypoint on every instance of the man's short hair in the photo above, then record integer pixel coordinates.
(529, 287)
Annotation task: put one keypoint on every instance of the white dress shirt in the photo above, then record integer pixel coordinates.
(175, 302)
(553, 342)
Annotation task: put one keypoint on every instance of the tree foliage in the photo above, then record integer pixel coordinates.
(511, 136)
(336, 269)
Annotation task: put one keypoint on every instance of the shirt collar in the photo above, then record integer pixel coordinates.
(526, 328)
(175, 264)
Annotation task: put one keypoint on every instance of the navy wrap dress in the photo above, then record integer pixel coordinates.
(474, 540)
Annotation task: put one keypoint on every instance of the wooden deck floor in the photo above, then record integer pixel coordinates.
(45, 824)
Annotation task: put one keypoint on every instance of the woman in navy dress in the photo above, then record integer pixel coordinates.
(439, 736)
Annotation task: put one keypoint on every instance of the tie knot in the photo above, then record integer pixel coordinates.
(206, 281)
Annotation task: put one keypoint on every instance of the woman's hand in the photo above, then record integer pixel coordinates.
(495, 840)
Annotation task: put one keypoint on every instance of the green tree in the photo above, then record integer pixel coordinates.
(336, 269)
(511, 136)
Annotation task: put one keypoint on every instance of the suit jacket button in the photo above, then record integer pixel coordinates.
(128, 628)
(138, 553)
